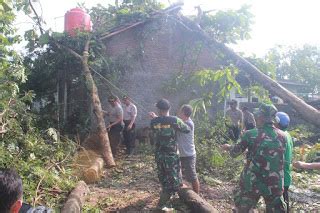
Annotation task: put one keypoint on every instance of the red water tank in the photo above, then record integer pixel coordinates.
(76, 19)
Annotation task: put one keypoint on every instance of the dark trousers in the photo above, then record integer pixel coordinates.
(286, 197)
(129, 136)
(115, 137)
(249, 126)
(234, 132)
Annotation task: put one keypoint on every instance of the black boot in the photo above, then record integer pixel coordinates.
(164, 198)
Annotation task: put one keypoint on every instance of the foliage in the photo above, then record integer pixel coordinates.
(224, 77)
(300, 65)
(228, 26)
(206, 85)
(43, 164)
(266, 65)
(292, 64)
(307, 153)
(211, 160)
(50, 67)
(48, 70)
(258, 91)
(39, 159)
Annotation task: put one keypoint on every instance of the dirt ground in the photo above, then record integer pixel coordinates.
(132, 186)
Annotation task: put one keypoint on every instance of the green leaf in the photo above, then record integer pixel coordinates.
(5, 6)
(44, 39)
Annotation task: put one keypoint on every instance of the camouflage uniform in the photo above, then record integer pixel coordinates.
(263, 173)
(166, 156)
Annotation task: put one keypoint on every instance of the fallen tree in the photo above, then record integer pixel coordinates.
(195, 202)
(306, 111)
(89, 81)
(92, 88)
(76, 198)
(94, 172)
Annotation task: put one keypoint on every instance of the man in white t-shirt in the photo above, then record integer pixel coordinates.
(187, 149)
(129, 117)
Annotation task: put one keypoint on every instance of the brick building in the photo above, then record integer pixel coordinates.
(154, 52)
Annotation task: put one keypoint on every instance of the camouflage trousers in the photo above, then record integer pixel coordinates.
(244, 201)
(169, 172)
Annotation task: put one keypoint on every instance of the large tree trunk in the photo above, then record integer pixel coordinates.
(102, 131)
(195, 202)
(76, 198)
(92, 88)
(94, 172)
(306, 111)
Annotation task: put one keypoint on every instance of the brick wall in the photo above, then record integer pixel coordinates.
(154, 52)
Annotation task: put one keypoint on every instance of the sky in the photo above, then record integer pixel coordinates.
(276, 22)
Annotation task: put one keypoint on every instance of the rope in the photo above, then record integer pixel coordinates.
(119, 90)
(114, 86)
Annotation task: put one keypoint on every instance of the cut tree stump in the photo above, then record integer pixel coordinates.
(94, 172)
(76, 198)
(196, 203)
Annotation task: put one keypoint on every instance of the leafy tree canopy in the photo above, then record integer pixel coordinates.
(23, 146)
(227, 26)
(300, 65)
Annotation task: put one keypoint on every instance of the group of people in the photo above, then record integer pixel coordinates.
(175, 152)
(262, 135)
(238, 120)
(121, 120)
(268, 158)
(267, 172)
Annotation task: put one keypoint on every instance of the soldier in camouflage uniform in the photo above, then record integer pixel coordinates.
(263, 173)
(164, 129)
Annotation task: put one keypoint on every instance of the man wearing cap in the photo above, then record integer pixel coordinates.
(129, 117)
(263, 173)
(282, 122)
(116, 123)
(236, 117)
(164, 128)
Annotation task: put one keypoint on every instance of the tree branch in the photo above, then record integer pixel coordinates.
(37, 17)
(87, 44)
(71, 51)
(3, 128)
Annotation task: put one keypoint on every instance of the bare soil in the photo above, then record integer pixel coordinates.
(133, 186)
